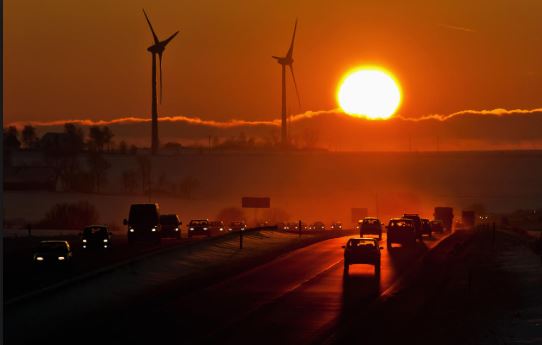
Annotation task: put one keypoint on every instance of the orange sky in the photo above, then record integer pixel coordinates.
(88, 59)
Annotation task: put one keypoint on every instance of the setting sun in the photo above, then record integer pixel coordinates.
(369, 92)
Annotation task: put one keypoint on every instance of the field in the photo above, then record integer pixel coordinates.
(314, 185)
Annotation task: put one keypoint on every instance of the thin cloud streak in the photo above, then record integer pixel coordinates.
(457, 28)
(271, 123)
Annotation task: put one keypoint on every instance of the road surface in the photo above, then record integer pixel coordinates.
(296, 299)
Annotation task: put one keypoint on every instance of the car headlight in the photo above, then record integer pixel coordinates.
(105, 245)
(131, 230)
(84, 240)
(39, 258)
(176, 229)
(221, 229)
(84, 246)
(230, 229)
(204, 228)
(191, 229)
(106, 240)
(61, 258)
(153, 229)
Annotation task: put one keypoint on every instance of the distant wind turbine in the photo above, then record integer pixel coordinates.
(156, 49)
(287, 60)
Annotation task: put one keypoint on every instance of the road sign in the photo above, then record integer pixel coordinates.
(359, 213)
(255, 202)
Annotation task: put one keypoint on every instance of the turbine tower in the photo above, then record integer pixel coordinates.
(156, 49)
(287, 61)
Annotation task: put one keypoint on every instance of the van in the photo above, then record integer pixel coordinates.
(143, 222)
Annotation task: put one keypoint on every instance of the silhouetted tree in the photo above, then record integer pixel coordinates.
(123, 147)
(310, 138)
(30, 138)
(11, 138)
(70, 216)
(75, 138)
(107, 137)
(98, 167)
(10, 143)
(96, 138)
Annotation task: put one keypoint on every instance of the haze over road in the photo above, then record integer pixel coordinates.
(297, 298)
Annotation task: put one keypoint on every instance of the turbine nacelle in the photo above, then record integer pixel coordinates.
(284, 60)
(156, 49)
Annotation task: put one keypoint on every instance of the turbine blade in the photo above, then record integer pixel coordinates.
(150, 26)
(166, 41)
(160, 63)
(291, 50)
(295, 85)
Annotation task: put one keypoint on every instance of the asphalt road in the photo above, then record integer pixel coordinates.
(299, 298)
(22, 277)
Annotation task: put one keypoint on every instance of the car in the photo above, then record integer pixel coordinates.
(401, 230)
(417, 223)
(336, 226)
(237, 226)
(53, 254)
(436, 226)
(282, 226)
(216, 226)
(171, 226)
(295, 226)
(362, 250)
(96, 237)
(370, 226)
(143, 222)
(318, 226)
(199, 227)
(426, 228)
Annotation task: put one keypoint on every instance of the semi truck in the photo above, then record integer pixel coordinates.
(445, 215)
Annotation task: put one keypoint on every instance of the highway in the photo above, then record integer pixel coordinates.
(297, 298)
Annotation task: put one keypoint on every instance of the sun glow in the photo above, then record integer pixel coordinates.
(369, 92)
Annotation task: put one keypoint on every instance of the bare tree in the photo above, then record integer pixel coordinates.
(98, 168)
(30, 138)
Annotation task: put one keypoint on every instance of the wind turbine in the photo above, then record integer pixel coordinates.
(156, 49)
(287, 60)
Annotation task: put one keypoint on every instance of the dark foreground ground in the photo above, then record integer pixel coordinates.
(484, 290)
(472, 287)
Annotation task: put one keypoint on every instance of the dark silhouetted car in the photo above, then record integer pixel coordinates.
(363, 250)
(53, 253)
(336, 226)
(171, 226)
(143, 222)
(217, 226)
(96, 237)
(370, 226)
(317, 226)
(199, 227)
(237, 226)
(426, 227)
(417, 223)
(403, 231)
(436, 226)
